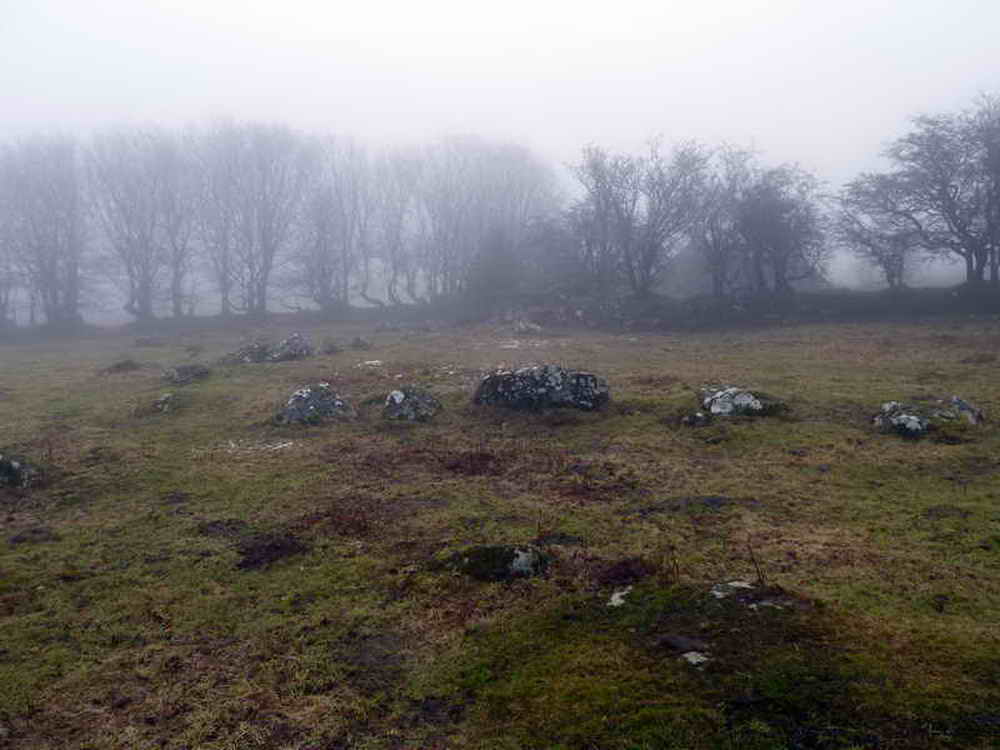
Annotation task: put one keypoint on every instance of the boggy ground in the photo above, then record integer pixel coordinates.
(205, 579)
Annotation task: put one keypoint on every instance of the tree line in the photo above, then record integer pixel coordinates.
(243, 217)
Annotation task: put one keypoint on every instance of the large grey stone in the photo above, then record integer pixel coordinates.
(410, 404)
(541, 386)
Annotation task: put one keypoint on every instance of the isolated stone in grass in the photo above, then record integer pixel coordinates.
(541, 386)
(410, 404)
(294, 347)
(314, 404)
(186, 374)
(733, 401)
(915, 421)
(499, 562)
(618, 597)
(360, 344)
(17, 473)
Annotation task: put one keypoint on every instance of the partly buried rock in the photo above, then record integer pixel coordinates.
(17, 473)
(499, 562)
(294, 347)
(914, 421)
(733, 401)
(314, 404)
(410, 404)
(186, 374)
(541, 386)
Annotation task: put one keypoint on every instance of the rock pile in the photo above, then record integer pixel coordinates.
(916, 420)
(294, 347)
(410, 404)
(314, 404)
(541, 386)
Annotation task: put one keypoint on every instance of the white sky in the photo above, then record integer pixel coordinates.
(821, 82)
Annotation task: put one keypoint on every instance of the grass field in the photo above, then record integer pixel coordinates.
(136, 610)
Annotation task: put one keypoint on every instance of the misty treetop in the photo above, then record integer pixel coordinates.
(941, 198)
(250, 217)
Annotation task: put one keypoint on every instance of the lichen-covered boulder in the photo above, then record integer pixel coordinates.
(410, 404)
(732, 401)
(541, 386)
(294, 347)
(17, 473)
(314, 404)
(916, 420)
(186, 374)
(499, 562)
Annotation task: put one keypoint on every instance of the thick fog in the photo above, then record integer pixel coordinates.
(819, 87)
(822, 84)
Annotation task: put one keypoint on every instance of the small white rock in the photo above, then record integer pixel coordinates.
(694, 658)
(618, 597)
(722, 590)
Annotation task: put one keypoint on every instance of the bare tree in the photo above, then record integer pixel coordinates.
(947, 187)
(717, 234)
(127, 186)
(333, 254)
(871, 223)
(44, 225)
(476, 200)
(252, 182)
(781, 224)
(396, 176)
(270, 182)
(218, 156)
(641, 208)
(178, 211)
